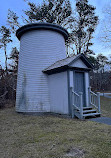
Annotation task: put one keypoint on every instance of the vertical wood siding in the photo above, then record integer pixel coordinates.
(38, 50)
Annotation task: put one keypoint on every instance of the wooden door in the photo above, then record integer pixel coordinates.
(79, 84)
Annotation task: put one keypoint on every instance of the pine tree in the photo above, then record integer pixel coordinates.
(12, 82)
(51, 11)
(12, 20)
(14, 64)
(84, 26)
(5, 39)
(102, 60)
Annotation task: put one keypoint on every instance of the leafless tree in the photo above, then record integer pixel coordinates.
(106, 26)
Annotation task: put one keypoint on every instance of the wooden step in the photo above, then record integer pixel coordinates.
(91, 114)
(87, 108)
(89, 111)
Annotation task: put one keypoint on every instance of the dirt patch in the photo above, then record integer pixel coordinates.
(75, 152)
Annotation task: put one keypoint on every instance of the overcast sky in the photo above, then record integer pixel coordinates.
(19, 5)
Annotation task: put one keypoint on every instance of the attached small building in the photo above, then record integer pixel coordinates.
(64, 74)
(48, 81)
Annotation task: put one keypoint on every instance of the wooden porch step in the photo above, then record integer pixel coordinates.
(89, 111)
(87, 108)
(92, 114)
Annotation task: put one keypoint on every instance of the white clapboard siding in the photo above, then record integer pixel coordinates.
(58, 85)
(38, 50)
(79, 63)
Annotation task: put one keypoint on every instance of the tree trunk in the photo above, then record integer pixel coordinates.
(5, 58)
(79, 46)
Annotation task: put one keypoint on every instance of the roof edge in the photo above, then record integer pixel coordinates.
(38, 26)
(68, 65)
(85, 58)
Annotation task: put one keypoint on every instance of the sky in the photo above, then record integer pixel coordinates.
(19, 5)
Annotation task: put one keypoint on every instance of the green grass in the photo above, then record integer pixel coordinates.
(106, 106)
(23, 136)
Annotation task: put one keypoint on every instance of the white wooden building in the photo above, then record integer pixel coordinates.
(48, 81)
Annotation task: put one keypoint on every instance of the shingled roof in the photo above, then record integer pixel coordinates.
(66, 63)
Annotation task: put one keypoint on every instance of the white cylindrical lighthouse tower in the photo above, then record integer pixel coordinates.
(41, 44)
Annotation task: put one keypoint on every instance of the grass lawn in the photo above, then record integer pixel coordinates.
(106, 106)
(23, 136)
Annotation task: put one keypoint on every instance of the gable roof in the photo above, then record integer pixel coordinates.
(64, 64)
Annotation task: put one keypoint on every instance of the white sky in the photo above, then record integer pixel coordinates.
(19, 5)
